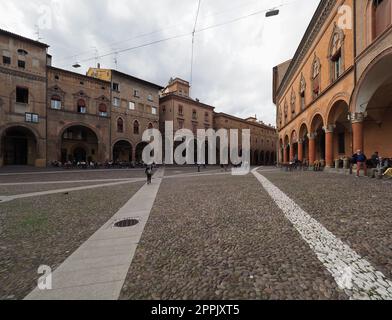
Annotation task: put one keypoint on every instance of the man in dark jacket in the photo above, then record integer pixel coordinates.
(361, 162)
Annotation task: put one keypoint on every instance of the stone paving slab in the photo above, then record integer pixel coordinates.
(82, 282)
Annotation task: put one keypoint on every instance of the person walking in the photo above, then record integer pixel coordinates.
(361, 162)
(148, 172)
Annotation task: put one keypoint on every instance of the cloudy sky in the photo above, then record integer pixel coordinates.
(233, 55)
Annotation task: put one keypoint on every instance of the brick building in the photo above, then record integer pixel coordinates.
(135, 108)
(177, 106)
(49, 114)
(263, 138)
(334, 96)
(22, 100)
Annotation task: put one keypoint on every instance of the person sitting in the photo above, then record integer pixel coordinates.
(375, 159)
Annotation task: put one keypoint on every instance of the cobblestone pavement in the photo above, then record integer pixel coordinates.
(222, 237)
(358, 211)
(209, 236)
(45, 230)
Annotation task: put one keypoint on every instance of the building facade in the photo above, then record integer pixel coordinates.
(177, 106)
(22, 100)
(50, 115)
(135, 108)
(263, 138)
(334, 96)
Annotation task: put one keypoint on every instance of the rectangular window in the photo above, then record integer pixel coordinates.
(82, 109)
(21, 64)
(116, 102)
(154, 110)
(22, 95)
(131, 105)
(136, 93)
(31, 117)
(55, 104)
(150, 98)
(116, 87)
(6, 60)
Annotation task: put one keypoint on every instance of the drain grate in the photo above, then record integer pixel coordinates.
(126, 223)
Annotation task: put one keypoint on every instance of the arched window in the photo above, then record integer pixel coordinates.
(180, 110)
(194, 114)
(336, 53)
(302, 90)
(120, 125)
(103, 110)
(136, 127)
(316, 77)
(55, 102)
(81, 106)
(292, 103)
(150, 126)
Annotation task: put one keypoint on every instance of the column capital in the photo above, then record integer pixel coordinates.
(312, 136)
(300, 141)
(358, 117)
(330, 128)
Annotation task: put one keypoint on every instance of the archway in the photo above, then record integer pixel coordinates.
(317, 130)
(80, 154)
(294, 146)
(286, 155)
(78, 144)
(338, 133)
(255, 158)
(267, 158)
(262, 158)
(122, 151)
(19, 146)
(303, 151)
(373, 99)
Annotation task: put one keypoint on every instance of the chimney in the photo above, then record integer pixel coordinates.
(99, 65)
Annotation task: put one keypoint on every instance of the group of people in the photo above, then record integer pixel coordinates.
(379, 166)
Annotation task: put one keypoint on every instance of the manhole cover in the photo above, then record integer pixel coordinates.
(126, 223)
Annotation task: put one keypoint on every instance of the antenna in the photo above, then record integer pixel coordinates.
(96, 56)
(38, 33)
(115, 58)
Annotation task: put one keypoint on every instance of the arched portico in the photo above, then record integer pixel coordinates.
(371, 107)
(19, 145)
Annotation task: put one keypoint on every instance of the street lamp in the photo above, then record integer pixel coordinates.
(272, 12)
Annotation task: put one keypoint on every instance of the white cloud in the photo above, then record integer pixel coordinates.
(233, 63)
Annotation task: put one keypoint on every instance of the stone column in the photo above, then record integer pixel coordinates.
(329, 154)
(312, 148)
(357, 125)
(285, 155)
(291, 152)
(300, 150)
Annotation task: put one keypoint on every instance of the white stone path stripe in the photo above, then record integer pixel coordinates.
(353, 274)
(59, 182)
(98, 269)
(44, 193)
